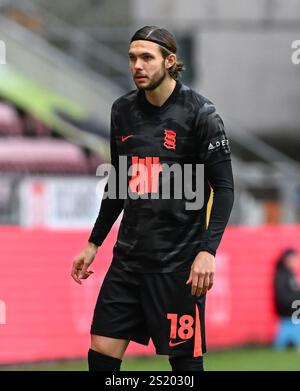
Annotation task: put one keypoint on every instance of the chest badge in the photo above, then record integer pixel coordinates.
(170, 139)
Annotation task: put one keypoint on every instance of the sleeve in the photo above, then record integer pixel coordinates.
(221, 180)
(212, 142)
(110, 208)
(214, 152)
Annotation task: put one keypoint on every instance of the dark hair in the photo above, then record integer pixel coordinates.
(167, 45)
(281, 261)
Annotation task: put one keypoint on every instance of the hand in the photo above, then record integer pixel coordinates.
(202, 273)
(82, 262)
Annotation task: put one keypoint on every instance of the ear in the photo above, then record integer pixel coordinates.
(170, 60)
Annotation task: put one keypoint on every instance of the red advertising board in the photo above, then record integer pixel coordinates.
(45, 315)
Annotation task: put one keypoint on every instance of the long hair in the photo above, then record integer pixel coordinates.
(167, 45)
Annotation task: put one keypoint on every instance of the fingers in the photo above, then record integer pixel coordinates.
(83, 272)
(203, 287)
(201, 282)
(195, 282)
(211, 281)
(75, 270)
(86, 275)
(79, 269)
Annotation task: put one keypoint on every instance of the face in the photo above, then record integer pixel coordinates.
(292, 261)
(147, 65)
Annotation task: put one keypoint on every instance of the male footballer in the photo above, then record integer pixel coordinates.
(164, 257)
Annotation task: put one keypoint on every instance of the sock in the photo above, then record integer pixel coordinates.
(186, 363)
(100, 362)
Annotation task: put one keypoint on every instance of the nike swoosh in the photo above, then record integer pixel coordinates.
(172, 344)
(124, 138)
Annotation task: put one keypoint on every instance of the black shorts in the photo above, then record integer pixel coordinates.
(137, 307)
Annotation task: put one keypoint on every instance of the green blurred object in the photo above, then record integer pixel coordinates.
(43, 104)
(244, 359)
(33, 97)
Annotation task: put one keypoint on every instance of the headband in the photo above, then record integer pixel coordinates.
(155, 41)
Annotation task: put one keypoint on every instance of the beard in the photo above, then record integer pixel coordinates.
(155, 81)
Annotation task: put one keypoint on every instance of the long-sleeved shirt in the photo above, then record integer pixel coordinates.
(163, 235)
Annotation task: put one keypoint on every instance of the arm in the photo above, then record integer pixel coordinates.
(221, 180)
(110, 208)
(109, 212)
(214, 152)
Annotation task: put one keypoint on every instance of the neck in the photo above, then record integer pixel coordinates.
(161, 93)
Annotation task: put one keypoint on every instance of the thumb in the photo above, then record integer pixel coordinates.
(189, 279)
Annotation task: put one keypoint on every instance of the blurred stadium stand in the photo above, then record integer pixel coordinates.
(29, 148)
(41, 156)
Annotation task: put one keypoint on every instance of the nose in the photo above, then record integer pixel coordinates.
(138, 64)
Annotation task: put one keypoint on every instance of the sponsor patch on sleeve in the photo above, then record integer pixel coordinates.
(219, 144)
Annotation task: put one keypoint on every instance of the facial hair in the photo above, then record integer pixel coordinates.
(157, 79)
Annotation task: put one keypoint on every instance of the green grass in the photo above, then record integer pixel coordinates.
(244, 359)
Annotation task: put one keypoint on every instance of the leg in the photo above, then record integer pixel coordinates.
(184, 363)
(118, 319)
(295, 335)
(109, 346)
(282, 336)
(175, 319)
(106, 353)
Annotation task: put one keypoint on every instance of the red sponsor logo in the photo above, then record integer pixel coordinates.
(145, 174)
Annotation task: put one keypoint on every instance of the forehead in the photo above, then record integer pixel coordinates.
(140, 46)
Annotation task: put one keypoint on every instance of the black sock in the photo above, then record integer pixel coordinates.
(100, 362)
(186, 363)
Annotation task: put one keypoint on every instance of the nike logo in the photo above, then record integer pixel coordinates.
(172, 344)
(124, 138)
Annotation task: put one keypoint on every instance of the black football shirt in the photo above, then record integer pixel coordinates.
(161, 235)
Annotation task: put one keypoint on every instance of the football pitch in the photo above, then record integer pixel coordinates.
(243, 359)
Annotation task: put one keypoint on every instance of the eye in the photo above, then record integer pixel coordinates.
(147, 57)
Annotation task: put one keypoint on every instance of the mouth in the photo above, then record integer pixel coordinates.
(140, 77)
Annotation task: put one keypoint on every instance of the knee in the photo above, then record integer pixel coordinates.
(109, 346)
(99, 345)
(186, 363)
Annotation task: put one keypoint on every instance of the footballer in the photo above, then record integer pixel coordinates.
(164, 256)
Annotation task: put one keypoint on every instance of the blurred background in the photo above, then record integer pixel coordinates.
(66, 62)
